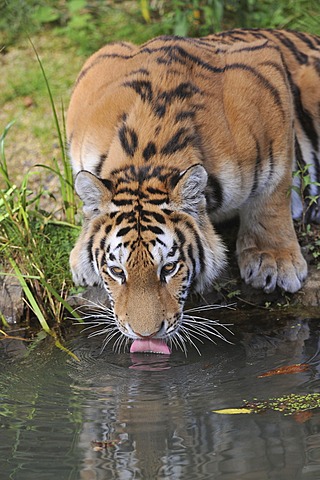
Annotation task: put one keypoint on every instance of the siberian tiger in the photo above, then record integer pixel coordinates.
(168, 137)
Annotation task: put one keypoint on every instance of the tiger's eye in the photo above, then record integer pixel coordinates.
(117, 272)
(168, 268)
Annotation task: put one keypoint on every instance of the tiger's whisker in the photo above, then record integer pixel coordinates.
(102, 332)
(209, 307)
(206, 331)
(108, 339)
(188, 336)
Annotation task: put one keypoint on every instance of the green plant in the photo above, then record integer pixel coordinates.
(200, 17)
(65, 176)
(34, 247)
(303, 190)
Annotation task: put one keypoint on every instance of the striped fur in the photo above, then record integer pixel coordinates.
(178, 133)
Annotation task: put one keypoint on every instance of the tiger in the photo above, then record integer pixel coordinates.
(171, 138)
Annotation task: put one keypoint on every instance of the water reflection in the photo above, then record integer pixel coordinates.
(156, 411)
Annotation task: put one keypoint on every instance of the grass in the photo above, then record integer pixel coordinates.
(29, 236)
(28, 244)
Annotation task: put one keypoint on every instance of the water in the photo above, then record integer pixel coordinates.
(156, 413)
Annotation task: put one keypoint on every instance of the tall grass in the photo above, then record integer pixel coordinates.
(35, 244)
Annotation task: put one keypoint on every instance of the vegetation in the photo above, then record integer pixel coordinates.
(38, 220)
(291, 404)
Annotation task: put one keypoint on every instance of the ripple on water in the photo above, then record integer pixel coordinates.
(156, 411)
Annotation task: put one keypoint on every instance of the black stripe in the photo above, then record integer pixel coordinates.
(257, 169)
(155, 229)
(157, 216)
(121, 203)
(108, 229)
(157, 201)
(186, 114)
(301, 57)
(181, 236)
(142, 88)
(191, 256)
(250, 48)
(156, 191)
(124, 231)
(307, 39)
(96, 228)
(303, 115)
(178, 141)
(142, 71)
(89, 250)
(199, 246)
(128, 139)
(271, 161)
(128, 216)
(102, 243)
(102, 160)
(149, 151)
(214, 192)
(128, 190)
(107, 183)
(96, 255)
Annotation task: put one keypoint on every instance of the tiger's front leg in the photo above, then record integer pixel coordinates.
(267, 247)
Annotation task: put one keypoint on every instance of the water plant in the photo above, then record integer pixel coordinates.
(291, 404)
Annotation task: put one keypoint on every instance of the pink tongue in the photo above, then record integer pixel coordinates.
(154, 346)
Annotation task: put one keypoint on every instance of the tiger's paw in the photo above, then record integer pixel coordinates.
(267, 269)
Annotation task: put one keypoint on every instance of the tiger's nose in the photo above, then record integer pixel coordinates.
(146, 335)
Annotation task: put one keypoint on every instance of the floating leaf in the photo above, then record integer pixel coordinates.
(287, 404)
(296, 368)
(233, 411)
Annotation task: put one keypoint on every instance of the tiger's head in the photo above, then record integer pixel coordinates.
(146, 239)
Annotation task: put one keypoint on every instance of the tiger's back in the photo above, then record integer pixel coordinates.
(178, 130)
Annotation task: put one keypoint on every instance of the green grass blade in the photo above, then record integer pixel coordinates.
(32, 301)
(61, 300)
(66, 184)
(3, 161)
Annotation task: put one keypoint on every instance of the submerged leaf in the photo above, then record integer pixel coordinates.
(286, 369)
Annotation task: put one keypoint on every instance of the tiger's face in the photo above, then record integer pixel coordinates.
(147, 240)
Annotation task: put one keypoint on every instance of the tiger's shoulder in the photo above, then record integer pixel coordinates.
(166, 79)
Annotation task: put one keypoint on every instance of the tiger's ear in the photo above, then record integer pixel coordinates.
(188, 193)
(94, 192)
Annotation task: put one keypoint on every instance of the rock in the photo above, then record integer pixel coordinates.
(11, 299)
(87, 300)
(309, 295)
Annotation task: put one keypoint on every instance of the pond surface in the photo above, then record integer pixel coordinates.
(156, 412)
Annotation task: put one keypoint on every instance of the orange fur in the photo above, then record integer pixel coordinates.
(176, 133)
